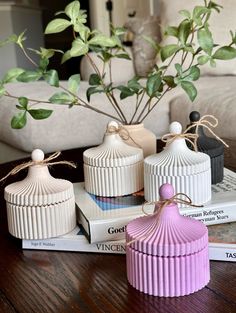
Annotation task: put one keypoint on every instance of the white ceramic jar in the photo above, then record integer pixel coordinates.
(188, 171)
(40, 206)
(113, 168)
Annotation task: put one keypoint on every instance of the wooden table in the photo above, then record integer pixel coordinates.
(57, 282)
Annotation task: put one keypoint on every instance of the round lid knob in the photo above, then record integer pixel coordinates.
(175, 128)
(113, 124)
(166, 191)
(194, 116)
(37, 155)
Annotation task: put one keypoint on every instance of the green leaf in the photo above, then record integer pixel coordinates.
(43, 63)
(103, 41)
(152, 43)
(212, 63)
(51, 77)
(184, 31)
(92, 90)
(153, 84)
(171, 31)
(57, 26)
(94, 80)
(21, 38)
(168, 51)
(72, 10)
(61, 98)
(134, 84)
(40, 114)
(198, 11)
(66, 57)
(78, 48)
(205, 40)
(203, 59)
(19, 120)
(179, 69)
(12, 74)
(190, 89)
(11, 39)
(225, 53)
(125, 92)
(29, 76)
(73, 83)
(185, 13)
(193, 73)
(169, 81)
(23, 101)
(123, 56)
(84, 33)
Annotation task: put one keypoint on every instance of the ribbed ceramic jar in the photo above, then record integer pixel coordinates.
(113, 168)
(40, 206)
(211, 146)
(188, 171)
(168, 253)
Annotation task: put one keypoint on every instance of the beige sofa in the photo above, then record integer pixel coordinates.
(78, 127)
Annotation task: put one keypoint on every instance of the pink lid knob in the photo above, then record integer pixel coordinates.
(166, 191)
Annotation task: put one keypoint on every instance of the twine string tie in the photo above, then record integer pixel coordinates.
(46, 161)
(122, 132)
(159, 206)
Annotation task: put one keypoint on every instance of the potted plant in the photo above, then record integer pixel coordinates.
(194, 42)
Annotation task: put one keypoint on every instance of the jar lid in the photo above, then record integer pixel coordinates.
(39, 187)
(167, 233)
(177, 158)
(113, 152)
(208, 145)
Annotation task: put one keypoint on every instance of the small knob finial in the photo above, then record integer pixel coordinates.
(37, 155)
(166, 191)
(113, 124)
(175, 128)
(194, 116)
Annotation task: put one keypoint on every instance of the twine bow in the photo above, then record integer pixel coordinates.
(207, 121)
(46, 161)
(122, 132)
(159, 206)
(169, 138)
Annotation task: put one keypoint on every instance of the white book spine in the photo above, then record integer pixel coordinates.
(74, 244)
(220, 252)
(216, 251)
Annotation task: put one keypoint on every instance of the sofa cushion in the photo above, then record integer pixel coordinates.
(66, 128)
(216, 96)
(220, 25)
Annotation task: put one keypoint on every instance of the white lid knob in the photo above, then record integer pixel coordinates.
(37, 155)
(113, 124)
(175, 128)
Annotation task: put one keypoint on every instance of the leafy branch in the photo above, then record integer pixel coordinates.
(193, 42)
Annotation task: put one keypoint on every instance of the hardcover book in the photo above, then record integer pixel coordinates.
(222, 243)
(74, 241)
(105, 219)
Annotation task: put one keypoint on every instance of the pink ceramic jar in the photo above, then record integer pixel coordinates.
(168, 253)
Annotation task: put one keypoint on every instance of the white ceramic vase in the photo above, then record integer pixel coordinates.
(141, 137)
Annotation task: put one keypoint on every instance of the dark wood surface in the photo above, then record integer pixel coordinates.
(47, 281)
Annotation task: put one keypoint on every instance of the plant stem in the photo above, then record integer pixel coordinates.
(169, 88)
(137, 107)
(28, 57)
(110, 96)
(143, 110)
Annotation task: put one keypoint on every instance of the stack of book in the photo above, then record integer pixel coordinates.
(102, 222)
